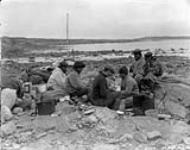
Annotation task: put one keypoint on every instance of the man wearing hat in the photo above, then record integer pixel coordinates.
(152, 71)
(152, 65)
(137, 66)
(101, 95)
(73, 84)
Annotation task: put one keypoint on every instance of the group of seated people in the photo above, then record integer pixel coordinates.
(132, 87)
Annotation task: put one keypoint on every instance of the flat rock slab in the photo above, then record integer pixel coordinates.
(140, 137)
(153, 135)
(176, 109)
(37, 146)
(45, 123)
(105, 147)
(180, 127)
(177, 91)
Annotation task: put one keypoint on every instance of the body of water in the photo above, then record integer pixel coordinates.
(160, 48)
(163, 44)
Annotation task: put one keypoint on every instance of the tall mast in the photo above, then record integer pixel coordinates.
(67, 27)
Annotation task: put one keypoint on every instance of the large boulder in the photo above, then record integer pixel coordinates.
(8, 97)
(8, 129)
(5, 114)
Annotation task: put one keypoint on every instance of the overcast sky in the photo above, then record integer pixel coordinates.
(95, 18)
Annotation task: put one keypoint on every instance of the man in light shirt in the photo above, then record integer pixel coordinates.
(58, 76)
(129, 88)
(56, 83)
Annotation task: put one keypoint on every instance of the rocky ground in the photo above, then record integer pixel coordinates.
(95, 128)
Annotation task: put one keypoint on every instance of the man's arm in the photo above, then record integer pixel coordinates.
(131, 68)
(131, 90)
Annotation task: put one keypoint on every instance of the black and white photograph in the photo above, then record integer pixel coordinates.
(95, 74)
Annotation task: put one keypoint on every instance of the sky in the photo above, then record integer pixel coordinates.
(111, 19)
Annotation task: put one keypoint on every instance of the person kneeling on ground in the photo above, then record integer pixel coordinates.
(101, 95)
(129, 88)
(73, 83)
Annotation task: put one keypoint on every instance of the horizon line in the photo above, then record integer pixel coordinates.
(136, 38)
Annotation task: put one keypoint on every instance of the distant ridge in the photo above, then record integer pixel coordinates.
(96, 41)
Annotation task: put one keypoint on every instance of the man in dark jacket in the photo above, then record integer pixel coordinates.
(152, 70)
(101, 95)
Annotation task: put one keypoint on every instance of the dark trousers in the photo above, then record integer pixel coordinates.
(142, 103)
(109, 102)
(81, 92)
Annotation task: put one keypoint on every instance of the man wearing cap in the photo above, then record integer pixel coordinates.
(101, 95)
(73, 84)
(137, 67)
(152, 65)
(152, 70)
(58, 76)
